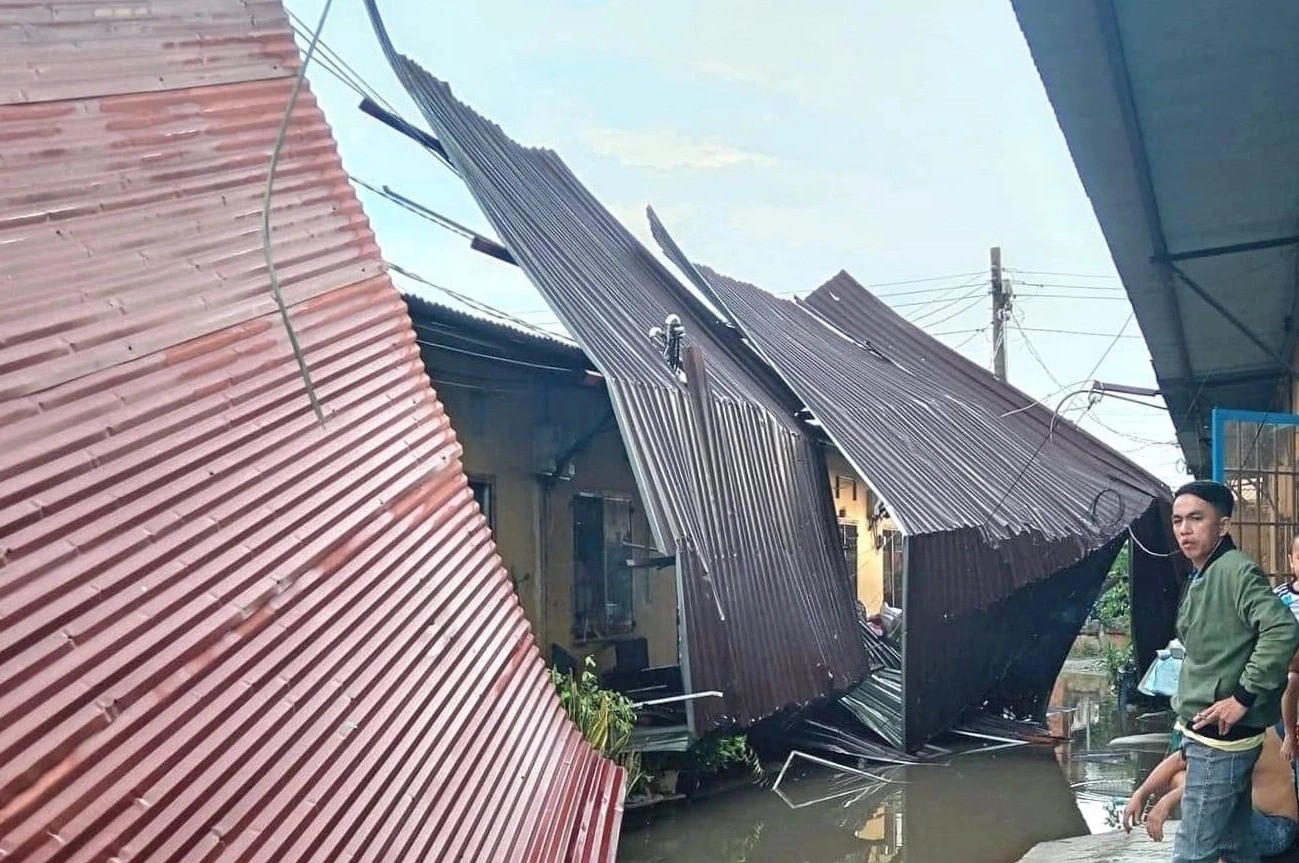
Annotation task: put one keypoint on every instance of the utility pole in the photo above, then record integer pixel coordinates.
(1001, 298)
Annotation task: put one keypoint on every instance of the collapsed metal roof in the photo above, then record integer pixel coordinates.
(1180, 119)
(733, 483)
(226, 631)
(999, 499)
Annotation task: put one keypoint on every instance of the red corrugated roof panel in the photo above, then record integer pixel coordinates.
(226, 632)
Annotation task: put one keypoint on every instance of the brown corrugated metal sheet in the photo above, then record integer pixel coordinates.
(1009, 534)
(226, 632)
(731, 480)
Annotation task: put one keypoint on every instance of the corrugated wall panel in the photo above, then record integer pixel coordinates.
(225, 632)
(80, 49)
(1012, 517)
(728, 477)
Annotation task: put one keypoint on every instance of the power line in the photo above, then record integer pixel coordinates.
(428, 215)
(353, 78)
(477, 305)
(938, 290)
(968, 339)
(495, 358)
(1078, 333)
(1028, 343)
(1117, 336)
(276, 292)
(977, 301)
(1129, 436)
(1032, 459)
(1065, 275)
(976, 280)
(1070, 297)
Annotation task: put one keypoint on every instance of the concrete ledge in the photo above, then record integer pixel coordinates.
(1116, 847)
(1119, 847)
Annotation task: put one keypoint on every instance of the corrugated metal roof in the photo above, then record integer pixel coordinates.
(461, 322)
(731, 480)
(995, 512)
(1180, 120)
(228, 632)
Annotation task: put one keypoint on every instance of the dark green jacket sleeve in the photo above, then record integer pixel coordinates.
(1278, 634)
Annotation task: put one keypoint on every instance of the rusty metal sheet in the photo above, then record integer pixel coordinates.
(1011, 519)
(80, 49)
(225, 631)
(733, 482)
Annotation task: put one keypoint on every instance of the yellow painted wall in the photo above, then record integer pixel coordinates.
(510, 422)
(854, 502)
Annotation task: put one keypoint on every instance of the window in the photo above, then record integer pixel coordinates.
(484, 493)
(602, 581)
(848, 538)
(891, 545)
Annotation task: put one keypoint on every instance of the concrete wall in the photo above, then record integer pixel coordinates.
(854, 503)
(512, 423)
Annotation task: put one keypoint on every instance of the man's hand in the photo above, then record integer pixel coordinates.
(1155, 820)
(1287, 745)
(1225, 713)
(1132, 813)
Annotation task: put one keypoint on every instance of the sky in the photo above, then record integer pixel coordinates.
(898, 140)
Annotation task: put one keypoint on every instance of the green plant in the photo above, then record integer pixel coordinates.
(715, 754)
(605, 718)
(1115, 604)
(1117, 660)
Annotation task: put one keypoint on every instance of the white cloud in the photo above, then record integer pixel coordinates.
(668, 150)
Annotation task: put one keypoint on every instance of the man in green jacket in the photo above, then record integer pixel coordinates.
(1239, 639)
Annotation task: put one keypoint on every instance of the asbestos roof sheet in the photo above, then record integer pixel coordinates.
(1180, 120)
(732, 481)
(225, 631)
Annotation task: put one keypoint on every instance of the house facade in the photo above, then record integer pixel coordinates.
(552, 476)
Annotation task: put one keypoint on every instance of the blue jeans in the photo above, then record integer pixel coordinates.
(1216, 808)
(1273, 834)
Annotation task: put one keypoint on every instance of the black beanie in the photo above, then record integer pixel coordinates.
(1211, 492)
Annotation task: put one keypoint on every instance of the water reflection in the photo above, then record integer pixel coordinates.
(990, 805)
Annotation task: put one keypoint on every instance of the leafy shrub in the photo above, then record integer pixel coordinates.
(715, 754)
(605, 718)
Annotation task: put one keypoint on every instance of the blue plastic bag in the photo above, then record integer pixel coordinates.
(1161, 677)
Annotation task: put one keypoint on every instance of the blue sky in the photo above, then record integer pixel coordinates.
(897, 140)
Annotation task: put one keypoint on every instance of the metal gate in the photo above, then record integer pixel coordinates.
(1254, 453)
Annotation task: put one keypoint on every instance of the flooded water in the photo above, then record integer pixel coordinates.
(989, 805)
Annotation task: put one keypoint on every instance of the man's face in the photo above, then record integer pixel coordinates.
(1294, 558)
(1197, 526)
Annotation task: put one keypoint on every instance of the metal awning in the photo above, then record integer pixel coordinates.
(1180, 120)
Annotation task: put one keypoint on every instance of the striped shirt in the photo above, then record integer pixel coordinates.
(1286, 592)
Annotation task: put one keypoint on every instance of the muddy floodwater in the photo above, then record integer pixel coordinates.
(981, 805)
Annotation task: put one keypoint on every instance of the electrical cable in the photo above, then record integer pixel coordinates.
(1032, 459)
(977, 301)
(1117, 336)
(1078, 333)
(429, 215)
(968, 339)
(1138, 544)
(946, 302)
(477, 305)
(1054, 273)
(276, 290)
(365, 86)
(1016, 322)
(1041, 296)
(499, 359)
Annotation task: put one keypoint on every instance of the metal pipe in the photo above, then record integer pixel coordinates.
(712, 693)
(1234, 248)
